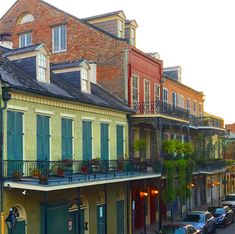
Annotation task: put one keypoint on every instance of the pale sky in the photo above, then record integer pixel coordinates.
(198, 35)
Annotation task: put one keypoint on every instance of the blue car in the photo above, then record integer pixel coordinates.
(224, 215)
(203, 221)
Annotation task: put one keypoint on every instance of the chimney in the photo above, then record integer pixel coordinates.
(5, 41)
(92, 72)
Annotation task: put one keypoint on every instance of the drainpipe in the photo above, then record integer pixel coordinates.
(5, 97)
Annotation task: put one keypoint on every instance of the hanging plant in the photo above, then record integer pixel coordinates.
(188, 148)
(168, 147)
(140, 144)
(182, 165)
(170, 193)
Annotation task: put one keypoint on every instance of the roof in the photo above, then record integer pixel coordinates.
(104, 15)
(24, 49)
(58, 88)
(4, 49)
(75, 63)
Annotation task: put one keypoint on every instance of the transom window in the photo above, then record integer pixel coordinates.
(25, 39)
(42, 66)
(135, 91)
(156, 93)
(25, 18)
(84, 80)
(59, 38)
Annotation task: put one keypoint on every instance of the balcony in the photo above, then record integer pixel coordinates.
(160, 107)
(51, 173)
(210, 166)
(206, 121)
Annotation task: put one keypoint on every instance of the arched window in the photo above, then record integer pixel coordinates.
(120, 195)
(100, 198)
(25, 18)
(19, 212)
(73, 205)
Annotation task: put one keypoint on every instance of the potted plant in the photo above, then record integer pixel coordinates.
(43, 179)
(16, 175)
(36, 173)
(60, 171)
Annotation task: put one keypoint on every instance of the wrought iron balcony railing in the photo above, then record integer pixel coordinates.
(159, 107)
(49, 172)
(206, 121)
(210, 165)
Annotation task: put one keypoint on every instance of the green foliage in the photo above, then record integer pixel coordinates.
(140, 145)
(188, 148)
(168, 147)
(170, 193)
(182, 165)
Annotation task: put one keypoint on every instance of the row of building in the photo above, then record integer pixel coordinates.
(84, 114)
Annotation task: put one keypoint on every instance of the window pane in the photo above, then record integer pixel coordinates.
(63, 37)
(56, 39)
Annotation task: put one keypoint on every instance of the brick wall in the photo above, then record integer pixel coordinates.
(82, 41)
(185, 91)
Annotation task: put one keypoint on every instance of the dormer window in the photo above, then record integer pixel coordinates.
(84, 80)
(42, 67)
(132, 36)
(120, 28)
(25, 39)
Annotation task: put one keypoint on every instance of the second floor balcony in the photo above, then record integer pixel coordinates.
(159, 107)
(67, 172)
(206, 121)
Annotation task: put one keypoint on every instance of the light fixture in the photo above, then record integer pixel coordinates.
(143, 194)
(24, 192)
(154, 192)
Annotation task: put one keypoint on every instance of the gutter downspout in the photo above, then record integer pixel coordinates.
(5, 97)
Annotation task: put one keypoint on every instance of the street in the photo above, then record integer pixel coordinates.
(228, 230)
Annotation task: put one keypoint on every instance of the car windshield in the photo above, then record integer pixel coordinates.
(173, 230)
(197, 218)
(230, 198)
(216, 210)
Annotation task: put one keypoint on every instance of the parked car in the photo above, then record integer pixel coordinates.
(203, 221)
(229, 201)
(178, 228)
(224, 215)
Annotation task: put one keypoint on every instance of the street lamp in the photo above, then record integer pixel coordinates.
(11, 220)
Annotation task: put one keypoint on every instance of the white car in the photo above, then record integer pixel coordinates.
(229, 201)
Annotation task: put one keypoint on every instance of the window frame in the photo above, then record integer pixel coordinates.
(188, 107)
(42, 66)
(84, 80)
(157, 92)
(120, 28)
(136, 89)
(27, 40)
(174, 99)
(165, 95)
(195, 107)
(60, 49)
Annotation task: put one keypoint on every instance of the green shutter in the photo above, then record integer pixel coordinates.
(10, 135)
(19, 136)
(67, 139)
(120, 141)
(87, 140)
(43, 137)
(104, 131)
(120, 217)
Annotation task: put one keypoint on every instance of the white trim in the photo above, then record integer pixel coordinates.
(88, 118)
(17, 108)
(167, 101)
(44, 112)
(70, 116)
(138, 87)
(105, 121)
(120, 123)
(10, 184)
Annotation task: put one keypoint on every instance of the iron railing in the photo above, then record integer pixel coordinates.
(206, 121)
(210, 165)
(45, 172)
(159, 107)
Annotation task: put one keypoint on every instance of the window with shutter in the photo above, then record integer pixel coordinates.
(104, 141)
(120, 141)
(87, 140)
(67, 138)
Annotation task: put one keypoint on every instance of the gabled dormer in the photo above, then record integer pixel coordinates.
(130, 31)
(34, 60)
(79, 73)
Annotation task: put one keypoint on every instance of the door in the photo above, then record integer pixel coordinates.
(87, 140)
(15, 142)
(120, 217)
(74, 217)
(104, 141)
(101, 219)
(19, 228)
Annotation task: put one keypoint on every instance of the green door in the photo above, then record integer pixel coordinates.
(75, 222)
(43, 138)
(101, 219)
(57, 219)
(104, 132)
(67, 138)
(19, 228)
(15, 141)
(120, 141)
(120, 217)
(87, 140)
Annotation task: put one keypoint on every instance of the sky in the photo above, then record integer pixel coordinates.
(197, 35)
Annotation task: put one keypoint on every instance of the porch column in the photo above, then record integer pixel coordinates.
(128, 213)
(45, 211)
(105, 201)
(158, 136)
(79, 207)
